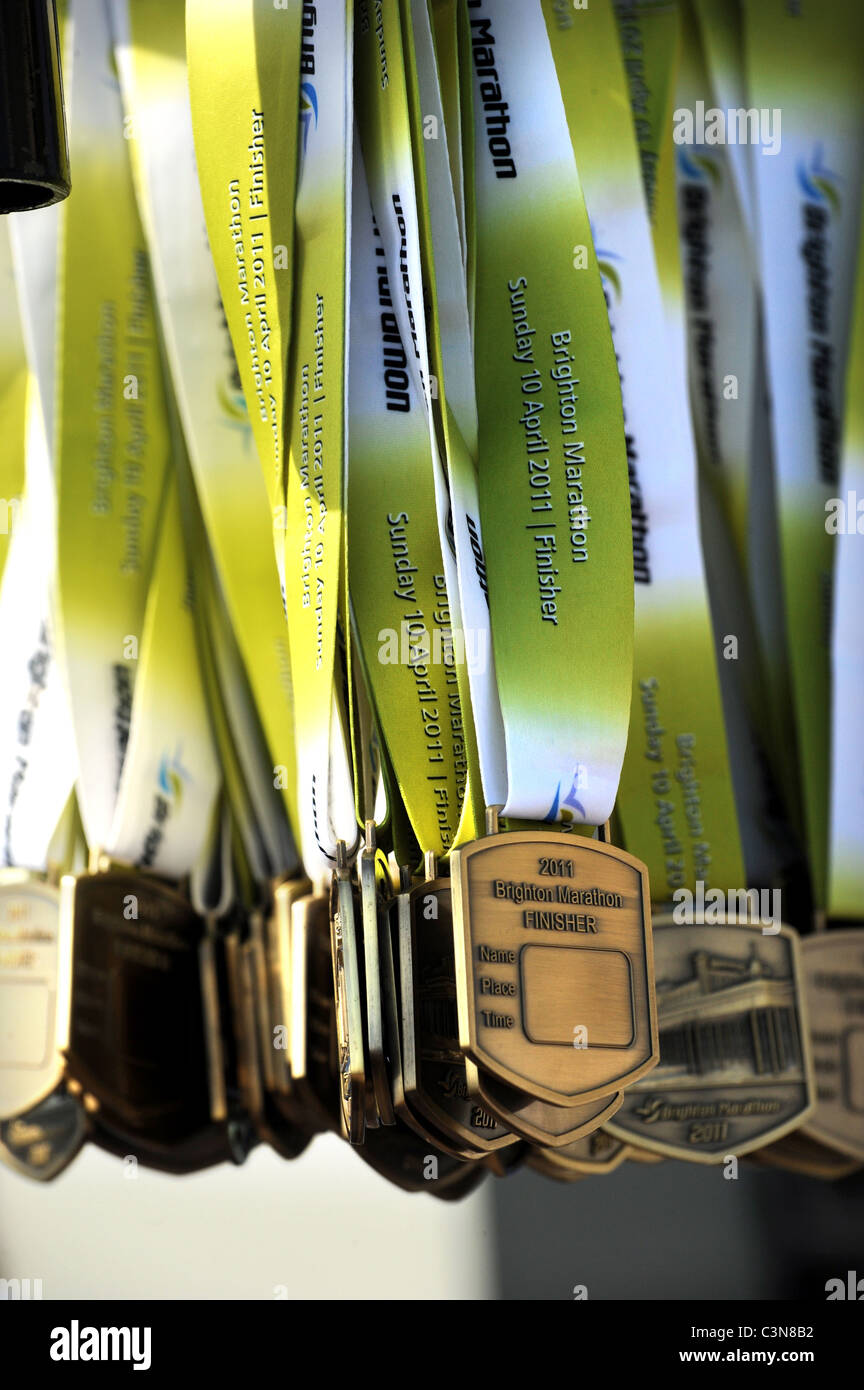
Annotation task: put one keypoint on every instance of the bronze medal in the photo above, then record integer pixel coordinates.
(400, 912)
(31, 1065)
(135, 1034)
(505, 1161)
(410, 1162)
(347, 984)
(553, 947)
(433, 1067)
(228, 1143)
(552, 1126)
(833, 966)
(281, 1132)
(314, 1048)
(43, 1142)
(734, 1069)
(598, 1153)
(798, 1153)
(372, 913)
(277, 955)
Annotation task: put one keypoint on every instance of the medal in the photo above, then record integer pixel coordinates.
(349, 1007)
(553, 964)
(549, 1126)
(277, 1120)
(314, 1046)
(30, 949)
(42, 1142)
(277, 952)
(734, 1070)
(404, 1158)
(599, 1153)
(135, 1037)
(833, 976)
(798, 1153)
(373, 917)
(433, 1067)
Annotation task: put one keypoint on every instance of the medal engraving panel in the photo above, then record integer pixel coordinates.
(136, 1027)
(553, 957)
(833, 966)
(734, 1067)
(30, 1063)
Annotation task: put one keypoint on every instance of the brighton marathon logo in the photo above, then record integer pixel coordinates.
(168, 798)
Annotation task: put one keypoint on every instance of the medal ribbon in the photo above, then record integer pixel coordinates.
(552, 462)
(676, 804)
(37, 768)
(807, 64)
(248, 68)
(147, 778)
(151, 60)
(846, 853)
(317, 432)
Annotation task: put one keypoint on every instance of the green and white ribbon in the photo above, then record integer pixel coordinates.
(676, 804)
(37, 747)
(151, 59)
(147, 768)
(317, 431)
(807, 62)
(552, 460)
(845, 517)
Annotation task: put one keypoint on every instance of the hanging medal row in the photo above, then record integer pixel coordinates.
(430, 618)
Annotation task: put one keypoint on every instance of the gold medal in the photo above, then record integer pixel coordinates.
(734, 1069)
(553, 948)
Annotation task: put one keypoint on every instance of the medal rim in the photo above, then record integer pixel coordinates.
(530, 1133)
